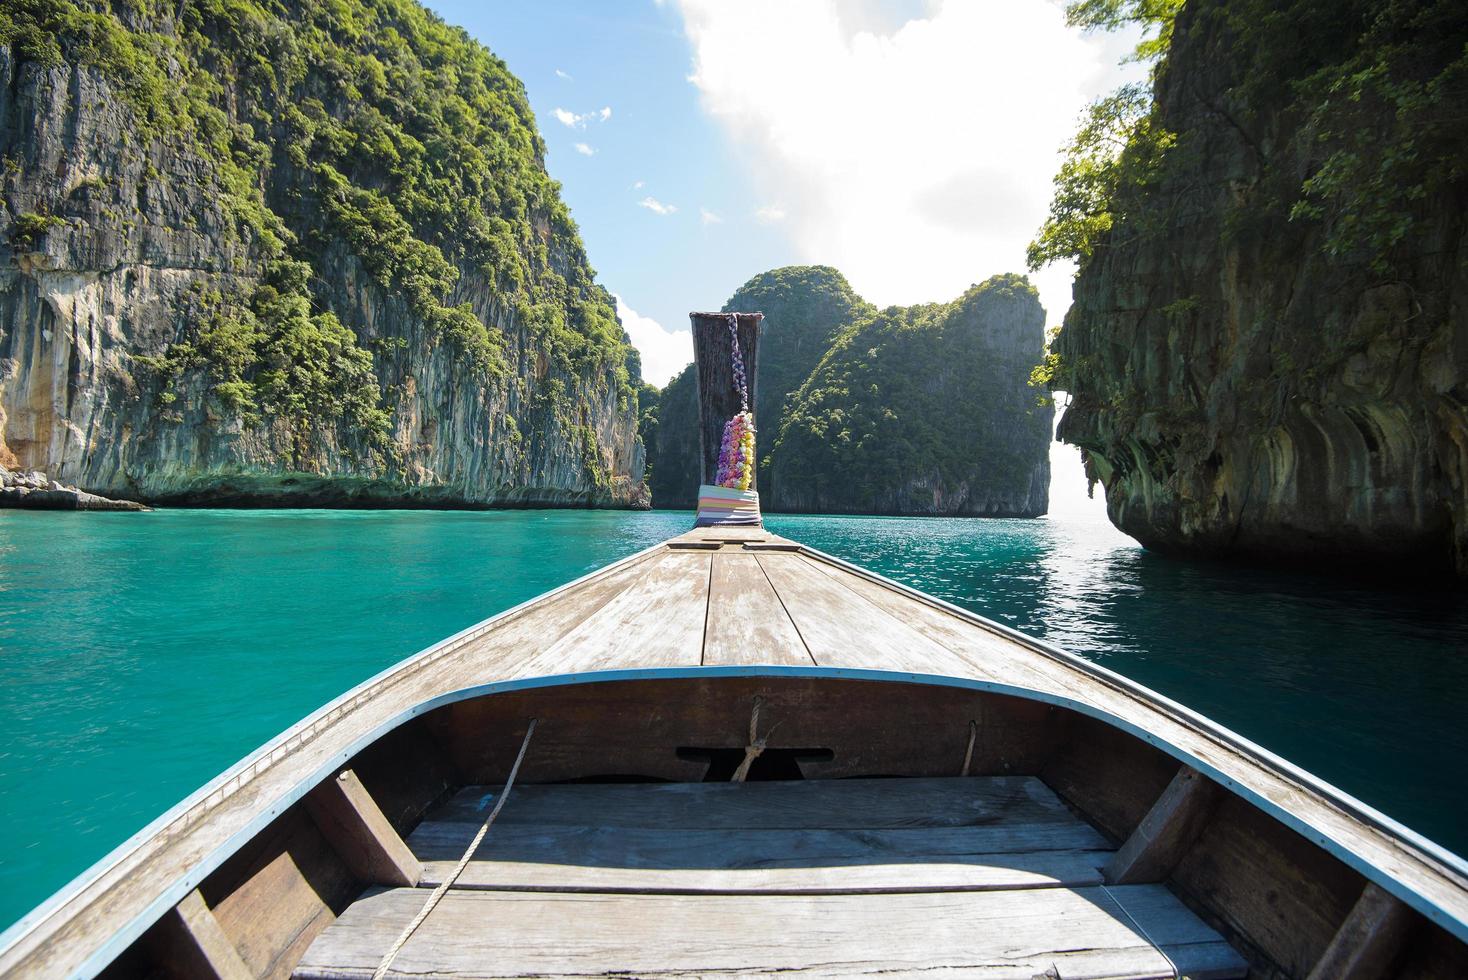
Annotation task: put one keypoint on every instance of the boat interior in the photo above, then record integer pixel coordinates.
(749, 823)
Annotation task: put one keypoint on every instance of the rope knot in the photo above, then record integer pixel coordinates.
(757, 742)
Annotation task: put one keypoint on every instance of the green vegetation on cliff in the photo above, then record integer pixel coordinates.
(368, 126)
(1374, 94)
(806, 307)
(923, 409)
(669, 429)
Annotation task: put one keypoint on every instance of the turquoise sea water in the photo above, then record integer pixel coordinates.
(142, 654)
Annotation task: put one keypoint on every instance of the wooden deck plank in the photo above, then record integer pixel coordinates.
(657, 621)
(985, 655)
(977, 872)
(639, 847)
(747, 624)
(801, 804)
(844, 629)
(1019, 934)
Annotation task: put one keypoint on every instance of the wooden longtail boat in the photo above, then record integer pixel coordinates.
(732, 755)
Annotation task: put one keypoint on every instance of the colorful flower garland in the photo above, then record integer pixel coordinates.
(736, 454)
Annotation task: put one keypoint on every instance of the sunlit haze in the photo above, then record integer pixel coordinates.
(910, 145)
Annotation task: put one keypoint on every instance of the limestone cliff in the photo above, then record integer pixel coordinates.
(923, 410)
(1268, 351)
(305, 254)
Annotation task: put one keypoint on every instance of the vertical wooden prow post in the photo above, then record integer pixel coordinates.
(718, 398)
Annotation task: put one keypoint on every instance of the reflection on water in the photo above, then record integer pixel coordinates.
(142, 654)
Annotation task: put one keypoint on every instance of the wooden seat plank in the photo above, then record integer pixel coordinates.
(1019, 934)
(978, 872)
(816, 804)
(747, 624)
(638, 847)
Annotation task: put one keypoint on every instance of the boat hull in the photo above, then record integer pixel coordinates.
(651, 670)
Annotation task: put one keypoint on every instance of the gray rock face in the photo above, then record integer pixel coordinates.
(136, 233)
(1242, 393)
(33, 489)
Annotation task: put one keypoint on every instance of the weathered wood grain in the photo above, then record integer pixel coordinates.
(1276, 891)
(355, 826)
(871, 728)
(747, 624)
(1370, 939)
(843, 629)
(1016, 934)
(976, 872)
(407, 773)
(657, 620)
(278, 893)
(1107, 774)
(800, 804)
(1167, 831)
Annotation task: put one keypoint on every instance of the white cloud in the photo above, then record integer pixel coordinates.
(769, 214)
(585, 150)
(656, 206)
(664, 352)
(708, 217)
(637, 186)
(579, 120)
(561, 74)
(918, 159)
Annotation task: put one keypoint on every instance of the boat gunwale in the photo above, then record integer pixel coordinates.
(1325, 793)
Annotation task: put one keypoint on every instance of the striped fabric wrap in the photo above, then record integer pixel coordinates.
(719, 506)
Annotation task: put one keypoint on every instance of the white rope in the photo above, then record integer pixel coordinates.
(968, 755)
(453, 876)
(756, 745)
(1160, 952)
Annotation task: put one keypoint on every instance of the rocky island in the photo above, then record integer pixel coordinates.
(1268, 351)
(294, 254)
(922, 410)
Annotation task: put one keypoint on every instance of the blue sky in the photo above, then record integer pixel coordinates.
(909, 143)
(656, 146)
